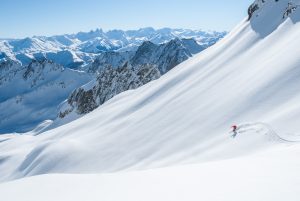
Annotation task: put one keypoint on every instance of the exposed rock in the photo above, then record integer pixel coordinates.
(291, 7)
(252, 8)
(109, 83)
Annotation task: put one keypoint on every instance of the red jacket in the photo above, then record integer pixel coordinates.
(234, 127)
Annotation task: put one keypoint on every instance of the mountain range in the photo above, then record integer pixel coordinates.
(74, 50)
(25, 87)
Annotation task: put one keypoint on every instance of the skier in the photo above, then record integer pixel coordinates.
(234, 130)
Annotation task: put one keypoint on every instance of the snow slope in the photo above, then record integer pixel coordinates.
(184, 117)
(274, 179)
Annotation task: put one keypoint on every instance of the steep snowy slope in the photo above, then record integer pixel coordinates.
(252, 75)
(274, 179)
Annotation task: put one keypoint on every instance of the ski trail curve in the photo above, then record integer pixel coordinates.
(259, 126)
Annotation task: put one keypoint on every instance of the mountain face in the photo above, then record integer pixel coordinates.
(109, 83)
(73, 50)
(249, 78)
(122, 71)
(165, 56)
(109, 59)
(30, 94)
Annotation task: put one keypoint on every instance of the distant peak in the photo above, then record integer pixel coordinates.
(147, 29)
(176, 40)
(146, 43)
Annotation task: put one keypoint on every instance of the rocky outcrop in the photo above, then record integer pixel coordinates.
(252, 8)
(110, 82)
(291, 7)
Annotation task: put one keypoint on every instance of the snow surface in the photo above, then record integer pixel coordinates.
(268, 176)
(183, 117)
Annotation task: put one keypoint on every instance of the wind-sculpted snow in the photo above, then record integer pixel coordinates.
(269, 176)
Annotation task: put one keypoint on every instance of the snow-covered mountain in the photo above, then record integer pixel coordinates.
(73, 50)
(165, 56)
(122, 71)
(115, 71)
(251, 78)
(30, 94)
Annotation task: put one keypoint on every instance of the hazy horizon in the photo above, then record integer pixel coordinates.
(54, 17)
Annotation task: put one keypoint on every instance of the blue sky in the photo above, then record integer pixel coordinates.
(21, 18)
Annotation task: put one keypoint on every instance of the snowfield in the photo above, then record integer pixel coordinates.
(268, 176)
(250, 78)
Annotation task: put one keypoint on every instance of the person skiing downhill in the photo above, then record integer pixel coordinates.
(234, 130)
